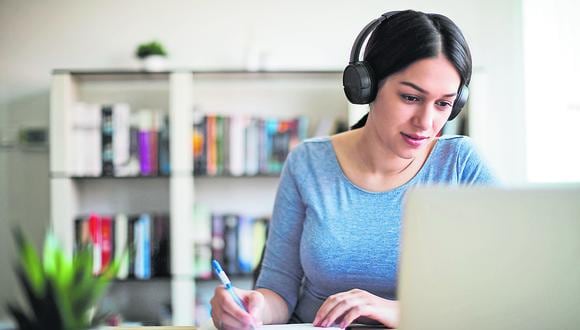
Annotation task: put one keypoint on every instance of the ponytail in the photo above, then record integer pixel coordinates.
(361, 122)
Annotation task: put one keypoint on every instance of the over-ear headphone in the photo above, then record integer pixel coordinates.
(360, 85)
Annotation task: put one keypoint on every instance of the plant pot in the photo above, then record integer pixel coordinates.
(154, 63)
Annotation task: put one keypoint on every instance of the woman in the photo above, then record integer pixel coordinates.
(333, 246)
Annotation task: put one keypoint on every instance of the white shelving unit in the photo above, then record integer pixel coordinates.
(317, 95)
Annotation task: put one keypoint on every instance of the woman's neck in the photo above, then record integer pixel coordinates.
(377, 159)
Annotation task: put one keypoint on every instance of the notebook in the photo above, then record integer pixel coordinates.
(490, 258)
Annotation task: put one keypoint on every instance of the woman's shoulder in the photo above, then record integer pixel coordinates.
(454, 144)
(312, 145)
(449, 150)
(461, 152)
(311, 152)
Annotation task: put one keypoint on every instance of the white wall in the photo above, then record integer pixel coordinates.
(38, 36)
(551, 73)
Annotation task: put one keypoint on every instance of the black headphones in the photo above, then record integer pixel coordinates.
(358, 79)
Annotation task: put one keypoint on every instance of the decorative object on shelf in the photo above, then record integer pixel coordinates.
(62, 293)
(153, 56)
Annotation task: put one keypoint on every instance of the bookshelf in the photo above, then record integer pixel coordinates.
(178, 94)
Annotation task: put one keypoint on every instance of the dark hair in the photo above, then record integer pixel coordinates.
(409, 36)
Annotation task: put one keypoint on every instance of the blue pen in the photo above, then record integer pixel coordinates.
(228, 285)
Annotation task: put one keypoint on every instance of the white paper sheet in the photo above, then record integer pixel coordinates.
(294, 326)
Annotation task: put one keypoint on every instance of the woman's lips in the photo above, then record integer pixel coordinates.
(414, 140)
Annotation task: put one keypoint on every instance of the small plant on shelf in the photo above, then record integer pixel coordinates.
(152, 55)
(61, 292)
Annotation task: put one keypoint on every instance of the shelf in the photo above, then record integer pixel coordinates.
(149, 74)
(229, 176)
(140, 280)
(64, 176)
(239, 277)
(164, 177)
(316, 94)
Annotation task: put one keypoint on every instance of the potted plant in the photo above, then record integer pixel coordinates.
(152, 55)
(61, 292)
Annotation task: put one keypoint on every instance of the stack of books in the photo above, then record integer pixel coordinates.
(240, 145)
(111, 140)
(143, 238)
(235, 240)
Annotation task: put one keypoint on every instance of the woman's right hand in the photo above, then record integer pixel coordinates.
(226, 314)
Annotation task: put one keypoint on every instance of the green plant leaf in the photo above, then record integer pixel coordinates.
(49, 259)
(44, 307)
(61, 292)
(150, 48)
(30, 262)
(24, 322)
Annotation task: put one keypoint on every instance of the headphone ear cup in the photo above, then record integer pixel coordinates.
(359, 84)
(460, 102)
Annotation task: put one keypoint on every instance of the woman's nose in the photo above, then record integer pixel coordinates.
(423, 118)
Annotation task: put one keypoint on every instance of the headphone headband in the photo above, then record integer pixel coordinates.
(366, 31)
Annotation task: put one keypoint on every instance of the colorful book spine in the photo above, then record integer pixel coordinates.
(143, 256)
(164, 160)
(107, 242)
(245, 247)
(212, 150)
(217, 238)
(160, 246)
(121, 138)
(121, 247)
(107, 141)
(231, 244)
(199, 142)
(96, 241)
(145, 154)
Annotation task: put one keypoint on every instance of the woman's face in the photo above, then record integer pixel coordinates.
(412, 105)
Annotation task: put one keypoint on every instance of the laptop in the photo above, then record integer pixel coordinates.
(490, 258)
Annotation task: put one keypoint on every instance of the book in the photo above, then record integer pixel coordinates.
(82, 234)
(262, 146)
(160, 246)
(199, 143)
(259, 235)
(132, 244)
(121, 238)
(252, 146)
(96, 241)
(270, 141)
(107, 242)
(145, 147)
(163, 146)
(231, 244)
(121, 136)
(107, 141)
(157, 119)
(145, 221)
(245, 247)
(202, 238)
(143, 247)
(212, 150)
(237, 145)
(85, 141)
(219, 145)
(217, 238)
(131, 167)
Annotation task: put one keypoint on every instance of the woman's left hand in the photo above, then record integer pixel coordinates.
(346, 307)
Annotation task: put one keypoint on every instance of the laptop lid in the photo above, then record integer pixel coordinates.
(490, 258)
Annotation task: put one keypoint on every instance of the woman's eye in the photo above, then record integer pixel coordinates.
(444, 104)
(409, 98)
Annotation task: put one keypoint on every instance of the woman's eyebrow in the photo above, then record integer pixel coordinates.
(410, 84)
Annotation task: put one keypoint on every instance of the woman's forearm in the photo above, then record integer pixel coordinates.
(275, 308)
